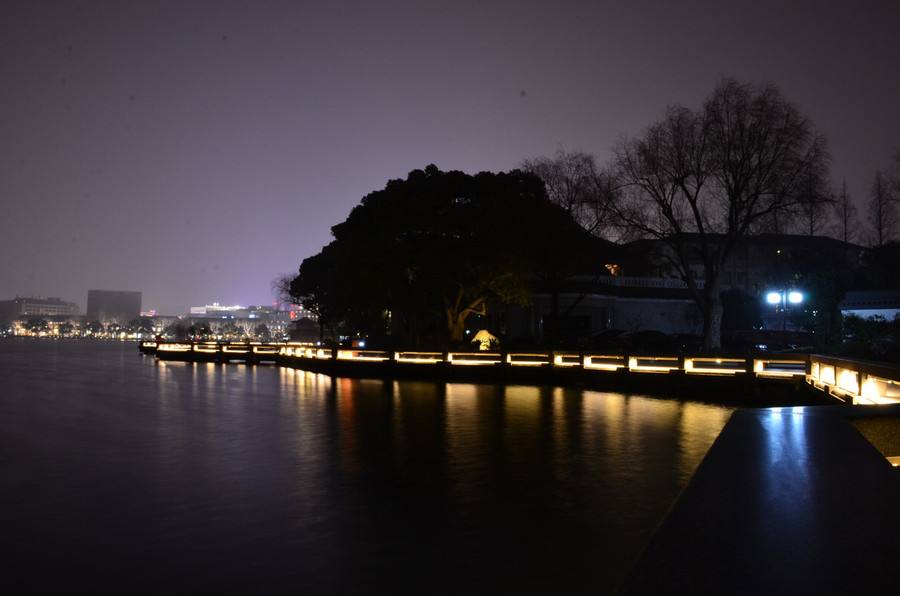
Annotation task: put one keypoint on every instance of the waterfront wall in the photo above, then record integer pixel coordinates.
(848, 381)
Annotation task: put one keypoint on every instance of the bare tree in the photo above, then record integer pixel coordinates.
(845, 214)
(574, 182)
(281, 288)
(775, 222)
(815, 200)
(699, 180)
(882, 210)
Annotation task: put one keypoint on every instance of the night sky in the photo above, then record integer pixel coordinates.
(195, 152)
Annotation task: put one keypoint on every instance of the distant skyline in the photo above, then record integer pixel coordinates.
(196, 151)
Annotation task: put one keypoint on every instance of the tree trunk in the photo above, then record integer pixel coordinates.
(554, 318)
(457, 327)
(712, 318)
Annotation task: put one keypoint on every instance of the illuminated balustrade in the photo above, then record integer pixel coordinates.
(209, 348)
(847, 380)
(265, 350)
(603, 362)
(363, 355)
(473, 358)
(653, 364)
(779, 367)
(174, 347)
(418, 357)
(235, 349)
(856, 382)
(714, 366)
(875, 390)
(528, 359)
(564, 360)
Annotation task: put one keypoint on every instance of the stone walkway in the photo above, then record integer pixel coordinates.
(787, 501)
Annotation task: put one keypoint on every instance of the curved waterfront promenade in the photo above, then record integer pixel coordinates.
(847, 381)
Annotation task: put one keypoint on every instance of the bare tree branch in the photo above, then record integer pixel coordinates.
(701, 180)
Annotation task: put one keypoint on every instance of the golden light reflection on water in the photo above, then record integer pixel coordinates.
(608, 434)
(522, 406)
(522, 430)
(416, 416)
(301, 384)
(699, 425)
(632, 427)
(466, 432)
(552, 432)
(346, 403)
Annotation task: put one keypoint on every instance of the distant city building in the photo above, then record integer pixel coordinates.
(288, 312)
(47, 325)
(219, 310)
(113, 306)
(35, 307)
(869, 304)
(755, 261)
(224, 319)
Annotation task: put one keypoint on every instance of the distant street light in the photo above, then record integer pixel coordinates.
(782, 297)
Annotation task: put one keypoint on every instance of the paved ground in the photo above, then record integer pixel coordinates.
(788, 501)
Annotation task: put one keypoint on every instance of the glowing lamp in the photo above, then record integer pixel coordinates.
(773, 297)
(795, 297)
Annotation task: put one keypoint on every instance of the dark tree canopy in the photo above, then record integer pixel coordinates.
(417, 258)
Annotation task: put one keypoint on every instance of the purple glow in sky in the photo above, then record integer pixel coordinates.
(194, 151)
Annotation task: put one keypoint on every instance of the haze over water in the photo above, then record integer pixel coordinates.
(132, 474)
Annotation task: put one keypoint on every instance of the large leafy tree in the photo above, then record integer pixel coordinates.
(434, 249)
(323, 287)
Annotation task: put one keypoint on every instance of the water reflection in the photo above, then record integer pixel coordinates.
(284, 479)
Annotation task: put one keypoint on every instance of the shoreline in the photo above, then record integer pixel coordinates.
(730, 381)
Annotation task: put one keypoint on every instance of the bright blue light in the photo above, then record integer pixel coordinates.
(773, 297)
(795, 297)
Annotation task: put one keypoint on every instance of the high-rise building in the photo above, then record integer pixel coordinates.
(113, 306)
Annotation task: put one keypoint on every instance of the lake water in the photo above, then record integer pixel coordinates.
(121, 472)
